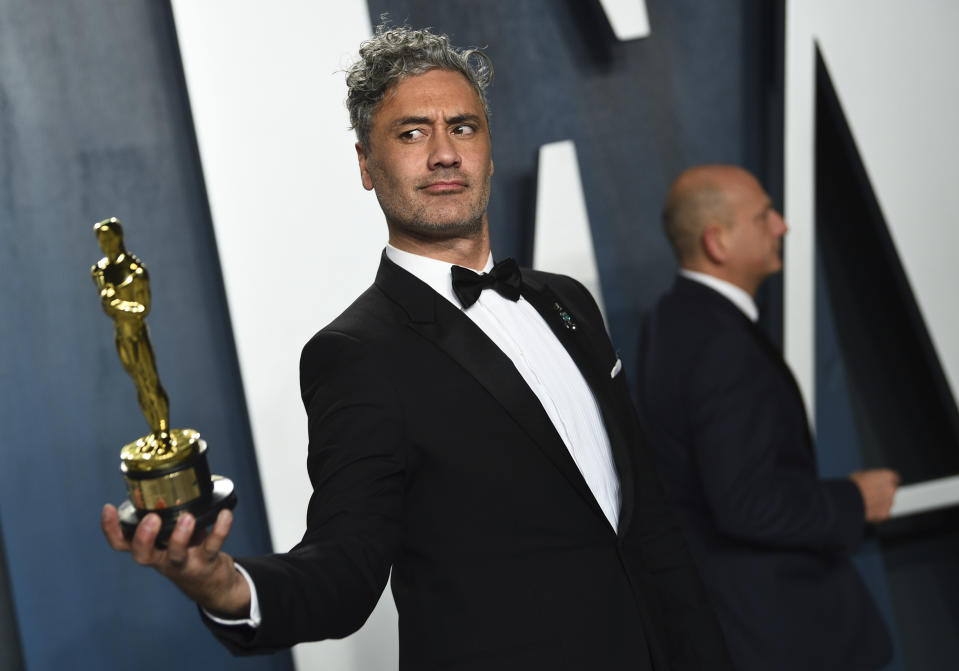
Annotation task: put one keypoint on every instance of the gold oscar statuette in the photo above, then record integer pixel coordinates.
(166, 471)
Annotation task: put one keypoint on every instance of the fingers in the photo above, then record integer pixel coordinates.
(221, 529)
(889, 474)
(189, 551)
(883, 494)
(110, 524)
(882, 511)
(179, 543)
(192, 558)
(876, 477)
(143, 546)
(878, 489)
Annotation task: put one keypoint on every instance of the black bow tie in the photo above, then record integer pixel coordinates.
(504, 278)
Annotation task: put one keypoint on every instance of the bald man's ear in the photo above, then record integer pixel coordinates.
(363, 158)
(714, 244)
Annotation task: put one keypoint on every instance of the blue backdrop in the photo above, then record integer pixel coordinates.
(95, 122)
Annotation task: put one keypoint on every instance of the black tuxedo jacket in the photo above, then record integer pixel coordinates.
(729, 431)
(429, 454)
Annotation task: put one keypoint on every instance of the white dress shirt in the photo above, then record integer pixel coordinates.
(523, 336)
(739, 297)
(542, 361)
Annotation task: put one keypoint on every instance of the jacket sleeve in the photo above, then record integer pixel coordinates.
(329, 583)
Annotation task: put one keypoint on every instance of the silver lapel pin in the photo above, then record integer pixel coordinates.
(565, 316)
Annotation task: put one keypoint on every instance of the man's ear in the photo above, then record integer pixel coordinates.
(491, 167)
(363, 159)
(714, 243)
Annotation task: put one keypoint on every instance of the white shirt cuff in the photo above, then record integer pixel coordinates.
(255, 619)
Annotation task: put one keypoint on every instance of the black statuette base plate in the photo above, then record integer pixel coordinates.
(204, 510)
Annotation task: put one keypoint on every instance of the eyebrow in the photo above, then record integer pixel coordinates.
(461, 118)
(412, 120)
(451, 121)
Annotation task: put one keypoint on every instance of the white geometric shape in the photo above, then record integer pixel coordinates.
(629, 18)
(922, 497)
(563, 241)
(892, 70)
(799, 306)
(894, 77)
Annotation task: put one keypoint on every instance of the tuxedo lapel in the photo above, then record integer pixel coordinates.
(437, 320)
(576, 335)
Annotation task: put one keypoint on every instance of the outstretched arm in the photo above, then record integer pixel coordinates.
(328, 584)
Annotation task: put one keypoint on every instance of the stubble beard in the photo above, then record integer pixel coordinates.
(426, 219)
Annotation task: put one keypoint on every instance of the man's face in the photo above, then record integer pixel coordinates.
(755, 232)
(428, 157)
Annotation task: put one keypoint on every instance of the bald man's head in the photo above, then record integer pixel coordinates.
(720, 221)
(695, 200)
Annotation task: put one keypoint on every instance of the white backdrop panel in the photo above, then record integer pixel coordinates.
(298, 236)
(892, 65)
(628, 18)
(563, 241)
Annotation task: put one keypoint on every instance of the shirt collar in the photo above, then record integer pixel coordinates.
(433, 272)
(737, 296)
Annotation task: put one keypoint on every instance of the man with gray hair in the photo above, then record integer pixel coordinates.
(728, 428)
(480, 444)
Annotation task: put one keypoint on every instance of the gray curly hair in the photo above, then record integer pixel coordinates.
(395, 53)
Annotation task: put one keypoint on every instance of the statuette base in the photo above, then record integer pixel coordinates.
(204, 510)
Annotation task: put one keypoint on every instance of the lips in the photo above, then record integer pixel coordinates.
(445, 186)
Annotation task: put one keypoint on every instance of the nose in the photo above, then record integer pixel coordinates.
(443, 153)
(779, 224)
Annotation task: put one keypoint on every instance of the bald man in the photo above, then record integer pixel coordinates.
(728, 428)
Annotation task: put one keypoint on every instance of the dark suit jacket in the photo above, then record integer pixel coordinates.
(429, 453)
(728, 428)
